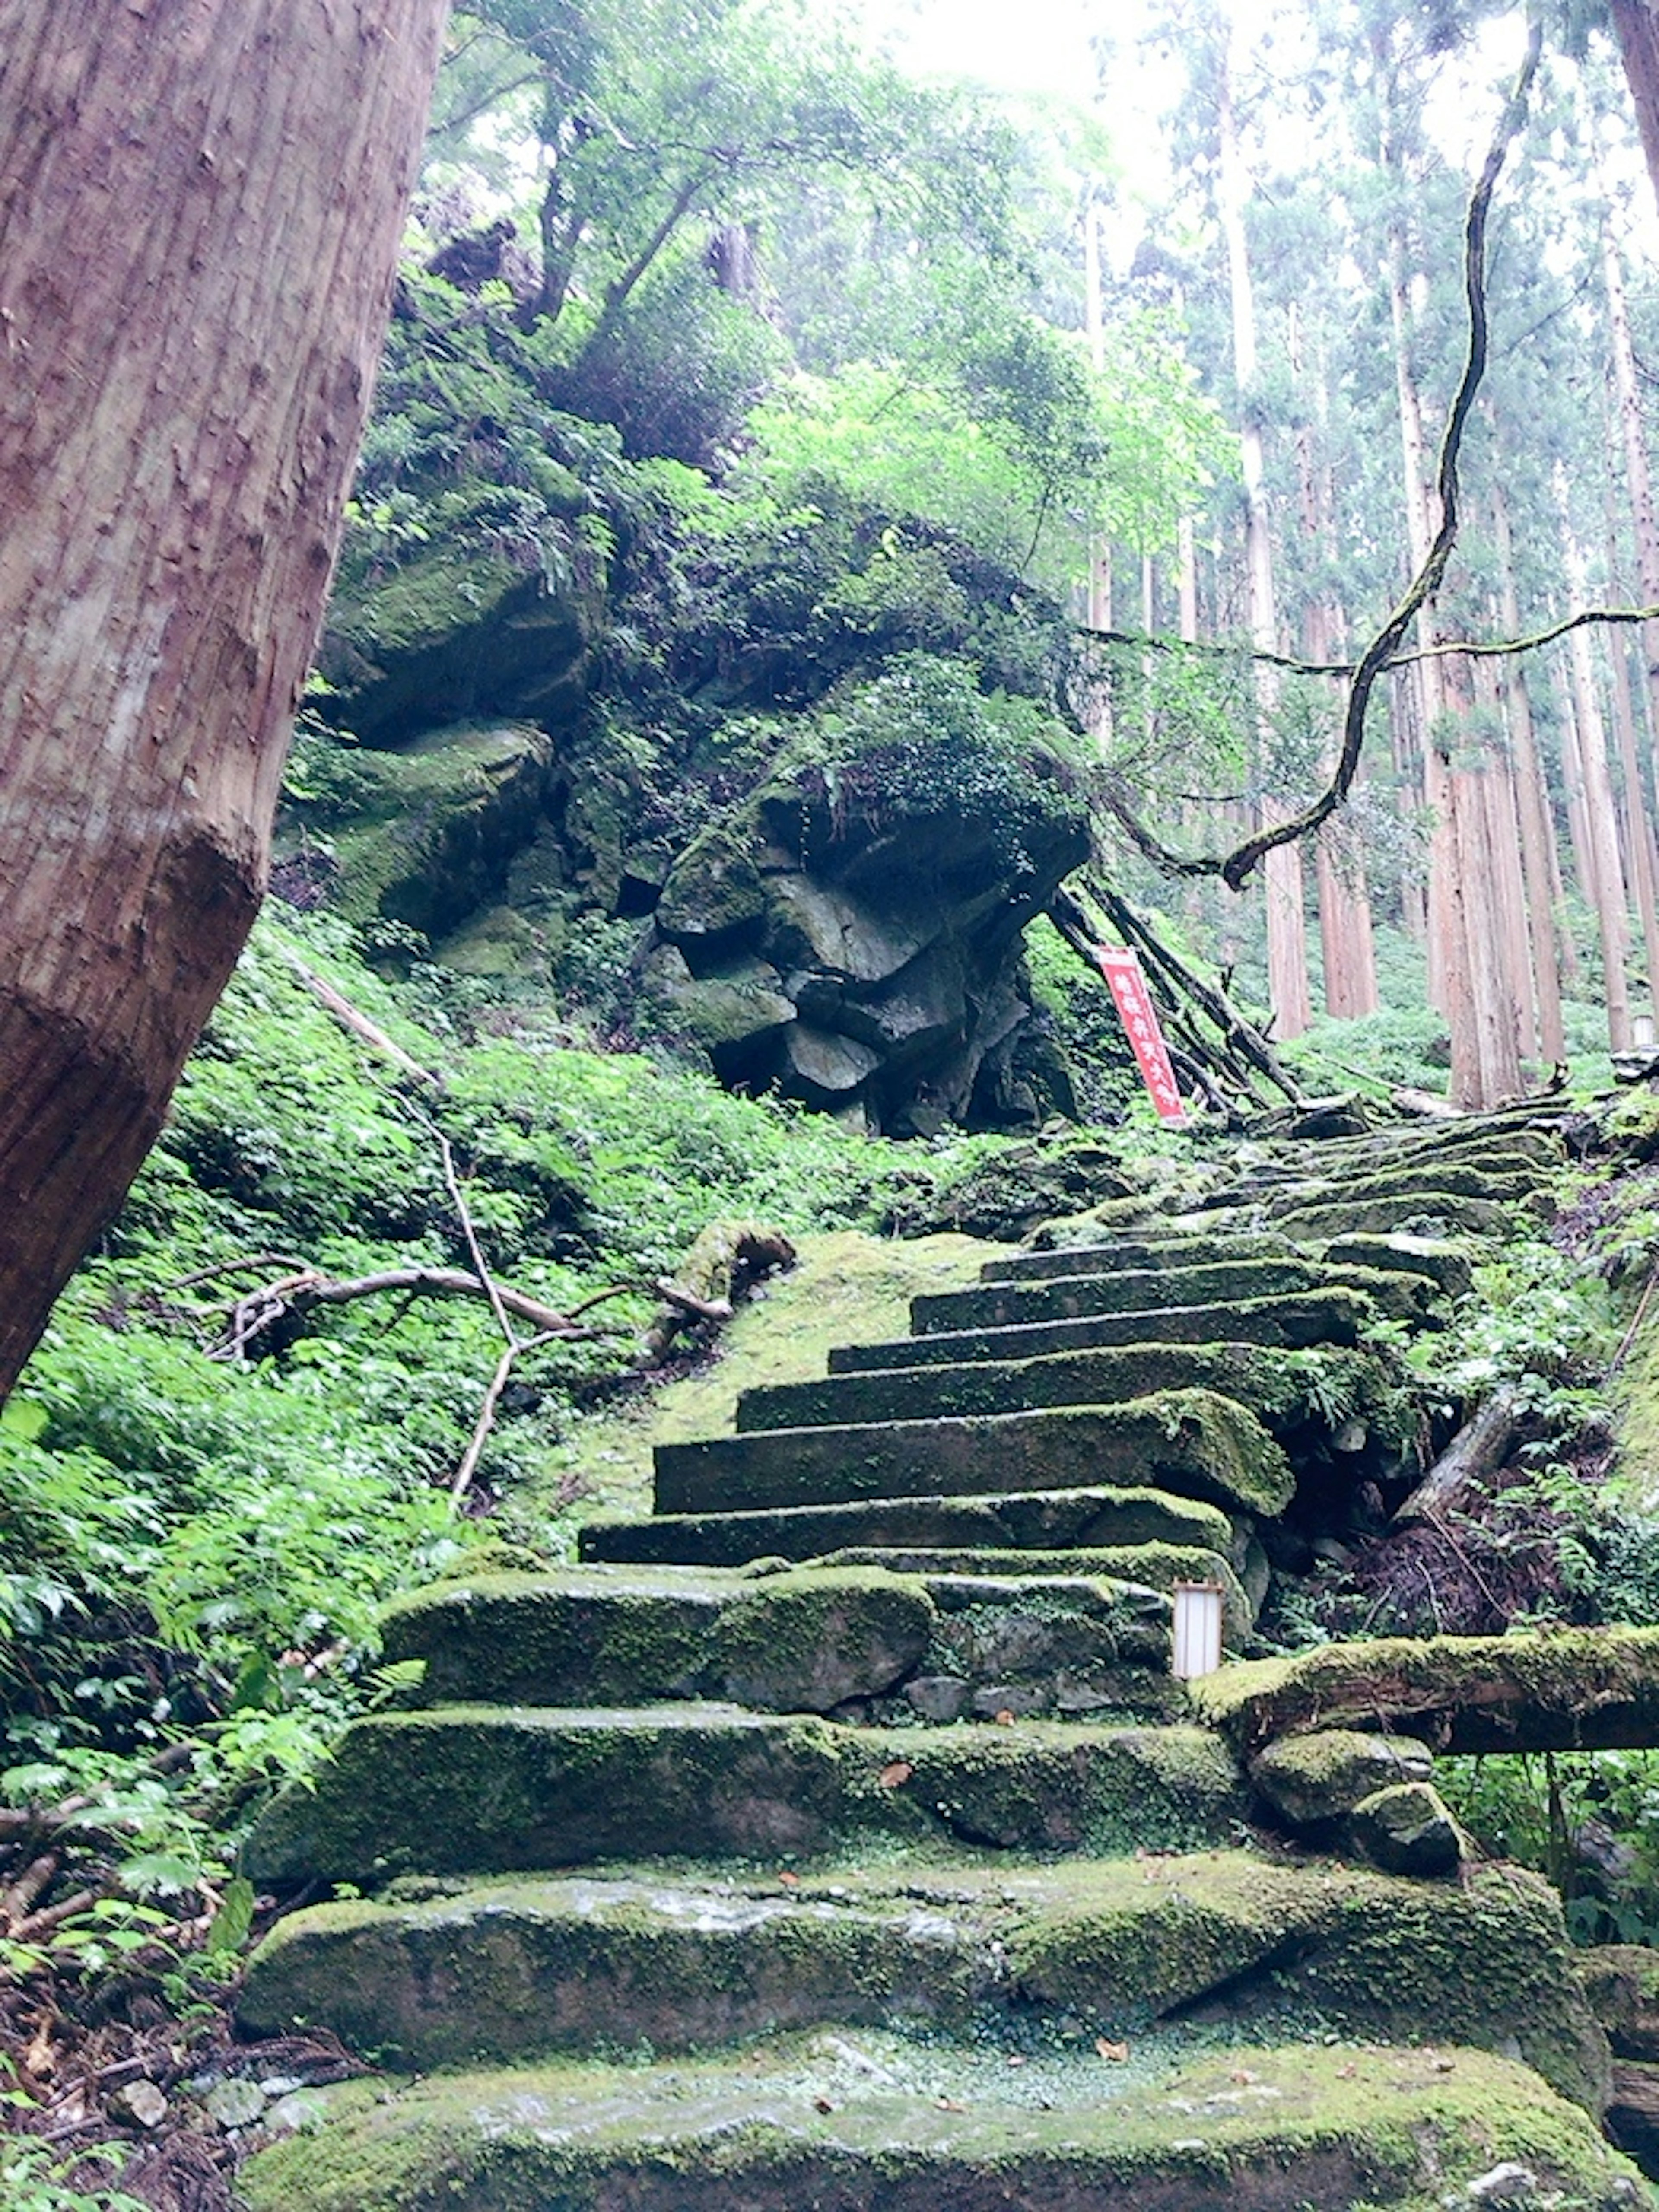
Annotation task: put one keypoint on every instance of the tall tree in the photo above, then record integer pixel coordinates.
(198, 236)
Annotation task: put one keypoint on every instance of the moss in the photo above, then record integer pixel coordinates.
(809, 1641)
(1563, 1690)
(1193, 1442)
(1308, 1780)
(1285, 1391)
(1445, 1264)
(1621, 1986)
(1334, 2127)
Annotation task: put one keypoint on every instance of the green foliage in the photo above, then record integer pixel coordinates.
(1587, 1820)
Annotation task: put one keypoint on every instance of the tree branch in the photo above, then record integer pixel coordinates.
(1234, 868)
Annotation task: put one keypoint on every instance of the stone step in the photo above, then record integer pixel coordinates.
(1293, 1322)
(1320, 1221)
(813, 1640)
(1196, 1443)
(1279, 1388)
(822, 2122)
(1177, 1249)
(1395, 1293)
(1052, 1519)
(1445, 1264)
(1432, 1180)
(1152, 1566)
(488, 1790)
(513, 1970)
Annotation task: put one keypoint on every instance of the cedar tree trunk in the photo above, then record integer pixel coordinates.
(200, 207)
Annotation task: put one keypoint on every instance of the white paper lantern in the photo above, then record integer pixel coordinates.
(1197, 1629)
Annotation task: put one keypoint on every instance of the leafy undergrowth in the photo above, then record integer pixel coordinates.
(194, 1544)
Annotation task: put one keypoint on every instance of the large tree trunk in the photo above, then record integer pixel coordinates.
(198, 225)
(1636, 23)
(1533, 804)
(1287, 937)
(1600, 819)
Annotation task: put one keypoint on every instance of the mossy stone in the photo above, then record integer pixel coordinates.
(1309, 1779)
(1621, 1982)
(1407, 1828)
(807, 1642)
(792, 2124)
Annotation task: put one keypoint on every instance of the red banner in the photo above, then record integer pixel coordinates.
(1133, 1002)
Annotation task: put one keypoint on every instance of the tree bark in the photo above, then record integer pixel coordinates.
(199, 226)
(1287, 943)
(1635, 22)
(1601, 822)
(1533, 805)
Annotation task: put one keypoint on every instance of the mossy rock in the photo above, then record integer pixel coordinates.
(433, 828)
(1407, 1828)
(810, 1641)
(1039, 1520)
(521, 1969)
(1332, 1314)
(1445, 1263)
(1394, 1293)
(1288, 1393)
(811, 2121)
(452, 635)
(477, 1789)
(1311, 1779)
(1621, 1983)
(1155, 1567)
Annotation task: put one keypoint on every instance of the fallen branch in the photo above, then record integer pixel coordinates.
(516, 1347)
(1476, 1451)
(368, 1032)
(261, 1310)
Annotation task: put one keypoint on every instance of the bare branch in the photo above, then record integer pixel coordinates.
(1234, 868)
(369, 1033)
(516, 1347)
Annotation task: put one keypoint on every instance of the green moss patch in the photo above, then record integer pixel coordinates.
(1567, 1690)
(805, 2122)
(1195, 1443)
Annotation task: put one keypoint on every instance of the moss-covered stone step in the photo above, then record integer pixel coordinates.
(1053, 1520)
(1397, 1294)
(1318, 1224)
(485, 1790)
(1591, 1689)
(1418, 1183)
(1294, 1322)
(871, 2124)
(1196, 1443)
(1285, 1391)
(841, 1633)
(1145, 1250)
(1155, 1567)
(1445, 1263)
(794, 1643)
(521, 1970)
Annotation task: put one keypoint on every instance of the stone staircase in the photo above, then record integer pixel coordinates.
(838, 1836)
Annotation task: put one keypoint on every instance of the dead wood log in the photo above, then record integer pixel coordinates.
(260, 1309)
(366, 1031)
(1475, 1451)
(1570, 1689)
(722, 1266)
